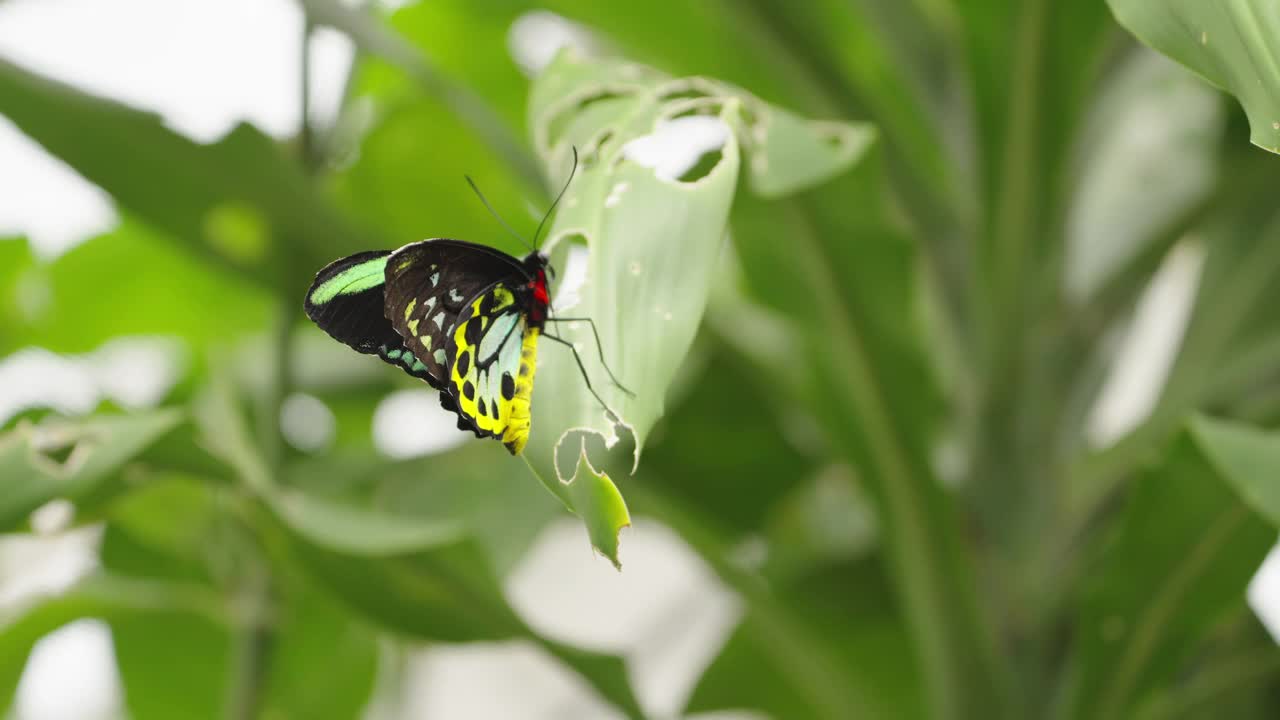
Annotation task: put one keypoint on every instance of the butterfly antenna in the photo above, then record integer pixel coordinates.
(496, 216)
(552, 209)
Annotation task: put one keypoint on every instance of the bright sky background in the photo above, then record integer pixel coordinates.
(205, 66)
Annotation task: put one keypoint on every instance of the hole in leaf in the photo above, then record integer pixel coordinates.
(689, 89)
(60, 449)
(676, 148)
(560, 122)
(710, 106)
(58, 455)
(600, 144)
(756, 128)
(590, 155)
(686, 94)
(572, 273)
(703, 167)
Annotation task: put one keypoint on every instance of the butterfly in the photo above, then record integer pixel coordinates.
(464, 317)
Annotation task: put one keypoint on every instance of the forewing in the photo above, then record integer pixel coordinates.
(491, 354)
(428, 284)
(346, 301)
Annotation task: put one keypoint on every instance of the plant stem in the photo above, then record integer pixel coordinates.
(257, 642)
(257, 591)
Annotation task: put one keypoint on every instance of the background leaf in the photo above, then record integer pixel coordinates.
(1233, 44)
(95, 451)
(1185, 548)
(256, 221)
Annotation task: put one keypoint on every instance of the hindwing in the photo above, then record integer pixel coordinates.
(492, 353)
(429, 284)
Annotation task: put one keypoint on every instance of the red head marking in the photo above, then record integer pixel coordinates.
(538, 313)
(539, 285)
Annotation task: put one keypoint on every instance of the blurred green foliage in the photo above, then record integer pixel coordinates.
(890, 389)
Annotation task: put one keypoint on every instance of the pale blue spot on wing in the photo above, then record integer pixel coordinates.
(496, 333)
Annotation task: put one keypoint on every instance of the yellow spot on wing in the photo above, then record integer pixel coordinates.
(413, 326)
(506, 420)
(408, 310)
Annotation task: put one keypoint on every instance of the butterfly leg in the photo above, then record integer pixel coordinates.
(599, 349)
(583, 369)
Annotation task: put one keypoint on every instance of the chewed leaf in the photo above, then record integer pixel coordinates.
(591, 488)
(74, 460)
(591, 495)
(660, 161)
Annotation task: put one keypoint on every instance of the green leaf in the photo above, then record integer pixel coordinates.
(239, 202)
(167, 679)
(410, 185)
(845, 275)
(491, 495)
(424, 579)
(404, 179)
(1229, 348)
(358, 530)
(131, 281)
(690, 457)
(446, 592)
(20, 297)
(179, 529)
(470, 42)
(1185, 549)
(590, 488)
(189, 679)
(97, 449)
(429, 580)
(1234, 44)
(99, 596)
(472, 111)
(653, 242)
(1248, 459)
(866, 71)
(728, 40)
(1033, 66)
(866, 670)
(311, 633)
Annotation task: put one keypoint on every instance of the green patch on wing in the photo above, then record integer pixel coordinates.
(655, 238)
(354, 279)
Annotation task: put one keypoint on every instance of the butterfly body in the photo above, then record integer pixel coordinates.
(466, 318)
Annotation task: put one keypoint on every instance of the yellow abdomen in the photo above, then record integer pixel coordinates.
(517, 433)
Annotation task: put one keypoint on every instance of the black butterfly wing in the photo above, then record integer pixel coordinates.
(428, 284)
(346, 301)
